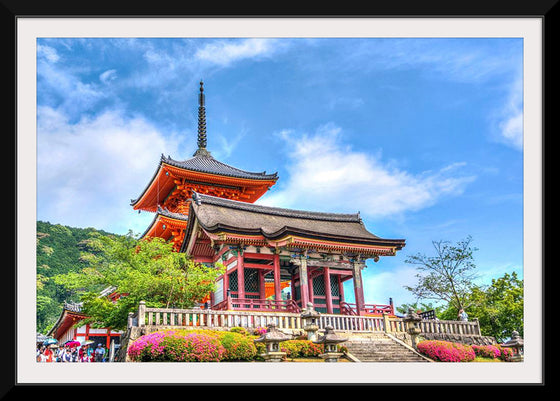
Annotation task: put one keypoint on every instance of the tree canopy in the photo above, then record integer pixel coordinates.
(138, 270)
(447, 276)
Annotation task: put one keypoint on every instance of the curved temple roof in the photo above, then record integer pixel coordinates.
(207, 164)
(222, 215)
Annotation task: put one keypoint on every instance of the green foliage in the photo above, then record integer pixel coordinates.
(301, 349)
(420, 306)
(58, 251)
(238, 346)
(448, 275)
(240, 330)
(148, 270)
(499, 307)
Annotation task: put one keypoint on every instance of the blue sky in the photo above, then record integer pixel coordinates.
(422, 136)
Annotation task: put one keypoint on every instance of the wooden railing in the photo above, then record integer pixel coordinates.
(251, 304)
(155, 317)
(373, 309)
(212, 318)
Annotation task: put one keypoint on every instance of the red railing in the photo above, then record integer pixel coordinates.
(369, 309)
(253, 304)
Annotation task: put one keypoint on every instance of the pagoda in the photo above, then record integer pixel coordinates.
(276, 259)
(169, 192)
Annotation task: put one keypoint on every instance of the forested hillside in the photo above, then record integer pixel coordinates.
(59, 250)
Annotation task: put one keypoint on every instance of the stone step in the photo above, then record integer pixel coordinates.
(380, 348)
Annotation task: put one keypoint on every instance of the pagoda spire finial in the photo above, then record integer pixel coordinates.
(201, 151)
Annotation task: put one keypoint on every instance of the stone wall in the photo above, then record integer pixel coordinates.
(457, 338)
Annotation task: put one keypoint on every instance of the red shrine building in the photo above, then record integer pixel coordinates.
(276, 259)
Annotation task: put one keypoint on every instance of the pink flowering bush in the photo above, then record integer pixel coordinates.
(259, 331)
(487, 351)
(493, 351)
(445, 351)
(505, 353)
(176, 346)
(301, 348)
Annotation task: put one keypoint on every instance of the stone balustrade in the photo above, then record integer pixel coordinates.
(205, 318)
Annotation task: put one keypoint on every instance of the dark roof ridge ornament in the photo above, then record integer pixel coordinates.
(201, 151)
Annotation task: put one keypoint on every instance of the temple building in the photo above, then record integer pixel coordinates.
(276, 259)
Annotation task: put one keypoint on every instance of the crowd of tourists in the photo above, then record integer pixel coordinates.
(72, 353)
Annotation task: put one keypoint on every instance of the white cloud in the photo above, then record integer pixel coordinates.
(226, 52)
(328, 176)
(88, 172)
(511, 119)
(48, 53)
(108, 76)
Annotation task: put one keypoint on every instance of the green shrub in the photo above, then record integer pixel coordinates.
(238, 347)
(240, 330)
(301, 349)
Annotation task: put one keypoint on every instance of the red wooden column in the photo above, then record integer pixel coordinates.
(328, 294)
(276, 271)
(358, 287)
(240, 274)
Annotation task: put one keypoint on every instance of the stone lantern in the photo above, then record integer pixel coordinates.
(330, 340)
(272, 339)
(516, 344)
(310, 318)
(412, 320)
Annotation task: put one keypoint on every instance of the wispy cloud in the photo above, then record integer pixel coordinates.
(510, 118)
(225, 52)
(325, 174)
(108, 76)
(47, 52)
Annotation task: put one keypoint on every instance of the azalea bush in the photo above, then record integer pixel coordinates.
(493, 351)
(487, 351)
(505, 353)
(259, 331)
(301, 349)
(445, 351)
(176, 346)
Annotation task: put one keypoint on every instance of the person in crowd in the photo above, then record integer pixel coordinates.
(41, 357)
(67, 357)
(48, 354)
(99, 353)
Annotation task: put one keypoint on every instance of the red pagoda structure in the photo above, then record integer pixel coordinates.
(169, 192)
(276, 259)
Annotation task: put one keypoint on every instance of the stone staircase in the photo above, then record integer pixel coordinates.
(380, 347)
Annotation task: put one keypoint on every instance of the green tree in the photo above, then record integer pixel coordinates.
(420, 306)
(140, 270)
(448, 276)
(499, 307)
(58, 252)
